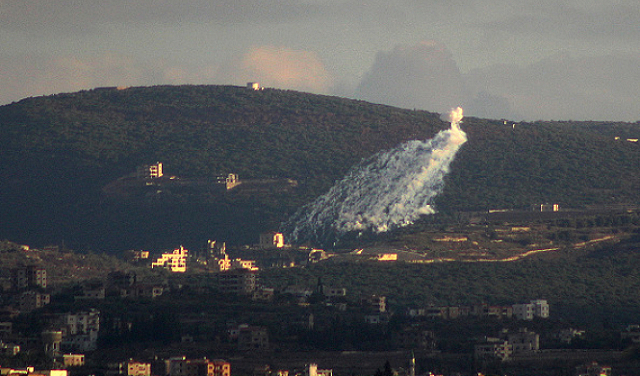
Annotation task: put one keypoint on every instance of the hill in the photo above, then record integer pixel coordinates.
(59, 152)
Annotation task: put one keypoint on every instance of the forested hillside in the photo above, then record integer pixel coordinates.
(58, 152)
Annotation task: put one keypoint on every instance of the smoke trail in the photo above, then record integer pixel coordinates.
(389, 190)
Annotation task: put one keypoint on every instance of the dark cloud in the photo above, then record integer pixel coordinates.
(423, 76)
(561, 87)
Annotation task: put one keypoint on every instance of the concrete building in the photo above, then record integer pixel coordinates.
(593, 369)
(524, 341)
(332, 292)
(175, 261)
(52, 341)
(29, 277)
(375, 303)
(493, 348)
(73, 360)
(312, 370)
(180, 366)
(130, 368)
(31, 300)
(253, 338)
(271, 240)
(237, 281)
(535, 308)
(80, 330)
(151, 171)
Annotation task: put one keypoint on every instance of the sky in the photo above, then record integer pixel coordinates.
(516, 59)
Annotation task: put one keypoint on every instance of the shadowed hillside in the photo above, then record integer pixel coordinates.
(60, 151)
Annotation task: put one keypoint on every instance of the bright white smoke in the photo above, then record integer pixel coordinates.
(389, 190)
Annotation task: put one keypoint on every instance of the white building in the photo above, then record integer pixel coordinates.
(535, 308)
(151, 171)
(175, 261)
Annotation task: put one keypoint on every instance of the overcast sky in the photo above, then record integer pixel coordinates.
(515, 59)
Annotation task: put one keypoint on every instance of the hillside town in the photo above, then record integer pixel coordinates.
(81, 321)
(211, 311)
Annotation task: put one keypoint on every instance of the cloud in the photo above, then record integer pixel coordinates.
(563, 87)
(577, 20)
(560, 87)
(423, 76)
(35, 16)
(280, 67)
(34, 75)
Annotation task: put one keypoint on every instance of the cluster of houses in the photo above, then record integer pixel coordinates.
(525, 311)
(173, 366)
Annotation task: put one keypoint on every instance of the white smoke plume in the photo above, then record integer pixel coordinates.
(391, 189)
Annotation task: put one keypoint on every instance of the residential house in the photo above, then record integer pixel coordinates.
(271, 240)
(180, 366)
(31, 300)
(312, 370)
(253, 338)
(175, 261)
(73, 360)
(493, 348)
(29, 277)
(524, 341)
(238, 281)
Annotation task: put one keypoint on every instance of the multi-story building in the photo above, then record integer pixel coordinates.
(80, 330)
(253, 338)
(151, 171)
(52, 340)
(130, 368)
(375, 303)
(29, 277)
(138, 368)
(593, 369)
(493, 348)
(312, 370)
(73, 360)
(271, 240)
(180, 366)
(415, 338)
(141, 290)
(175, 261)
(238, 281)
(524, 341)
(31, 300)
(535, 308)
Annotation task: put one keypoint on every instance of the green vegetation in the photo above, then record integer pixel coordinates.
(60, 151)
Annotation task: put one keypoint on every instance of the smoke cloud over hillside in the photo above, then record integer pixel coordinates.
(391, 189)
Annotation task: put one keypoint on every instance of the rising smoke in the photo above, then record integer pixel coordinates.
(389, 190)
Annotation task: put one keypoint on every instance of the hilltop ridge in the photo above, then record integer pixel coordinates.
(60, 151)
